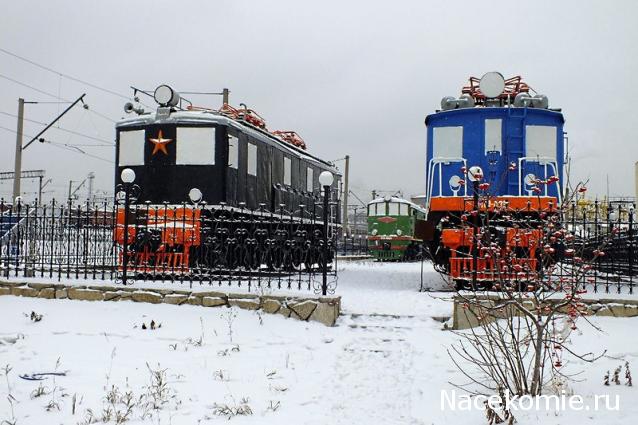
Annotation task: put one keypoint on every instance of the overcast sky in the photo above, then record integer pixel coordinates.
(352, 77)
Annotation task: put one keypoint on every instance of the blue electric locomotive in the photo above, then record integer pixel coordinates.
(500, 133)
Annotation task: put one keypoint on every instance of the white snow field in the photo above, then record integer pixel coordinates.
(384, 363)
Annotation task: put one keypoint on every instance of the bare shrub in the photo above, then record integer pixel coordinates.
(233, 409)
(158, 393)
(526, 314)
(273, 405)
(10, 398)
(229, 317)
(39, 392)
(221, 375)
(120, 406)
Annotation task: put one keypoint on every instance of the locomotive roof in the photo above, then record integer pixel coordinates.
(213, 117)
(398, 200)
(494, 109)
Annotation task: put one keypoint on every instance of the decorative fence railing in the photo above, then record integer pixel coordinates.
(200, 244)
(605, 235)
(353, 246)
(194, 244)
(589, 244)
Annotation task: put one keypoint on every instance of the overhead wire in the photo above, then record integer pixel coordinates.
(67, 76)
(30, 87)
(67, 146)
(61, 129)
(13, 80)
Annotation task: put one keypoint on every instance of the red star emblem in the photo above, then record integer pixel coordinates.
(160, 143)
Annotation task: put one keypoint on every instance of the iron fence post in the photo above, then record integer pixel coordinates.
(631, 249)
(127, 200)
(475, 210)
(326, 211)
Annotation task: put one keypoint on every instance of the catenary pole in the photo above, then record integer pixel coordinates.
(345, 196)
(18, 156)
(19, 148)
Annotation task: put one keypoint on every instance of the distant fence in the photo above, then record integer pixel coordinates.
(353, 246)
(194, 244)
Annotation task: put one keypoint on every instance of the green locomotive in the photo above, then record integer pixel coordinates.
(395, 229)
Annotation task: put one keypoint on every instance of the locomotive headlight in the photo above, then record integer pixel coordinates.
(399, 232)
(166, 96)
(475, 173)
(374, 232)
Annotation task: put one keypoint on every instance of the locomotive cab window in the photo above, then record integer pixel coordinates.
(540, 141)
(287, 171)
(195, 146)
(448, 142)
(131, 150)
(376, 210)
(493, 138)
(397, 208)
(233, 152)
(252, 159)
(309, 180)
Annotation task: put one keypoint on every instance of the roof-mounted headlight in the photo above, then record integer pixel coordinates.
(166, 96)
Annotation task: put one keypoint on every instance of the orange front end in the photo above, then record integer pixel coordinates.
(492, 263)
(176, 231)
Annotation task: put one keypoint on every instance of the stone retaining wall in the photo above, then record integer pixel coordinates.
(318, 309)
(465, 318)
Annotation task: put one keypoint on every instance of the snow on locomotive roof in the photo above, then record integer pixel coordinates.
(397, 200)
(212, 117)
(493, 111)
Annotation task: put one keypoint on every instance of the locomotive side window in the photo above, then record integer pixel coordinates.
(448, 142)
(252, 159)
(493, 138)
(233, 152)
(131, 148)
(540, 141)
(309, 180)
(195, 146)
(287, 171)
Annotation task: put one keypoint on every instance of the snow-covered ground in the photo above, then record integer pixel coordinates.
(384, 363)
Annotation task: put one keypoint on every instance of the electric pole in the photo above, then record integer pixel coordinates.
(19, 148)
(90, 185)
(225, 96)
(18, 156)
(345, 196)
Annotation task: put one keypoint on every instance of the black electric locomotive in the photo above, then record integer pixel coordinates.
(213, 183)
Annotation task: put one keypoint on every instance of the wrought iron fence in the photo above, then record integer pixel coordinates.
(223, 246)
(589, 243)
(194, 244)
(605, 236)
(353, 246)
